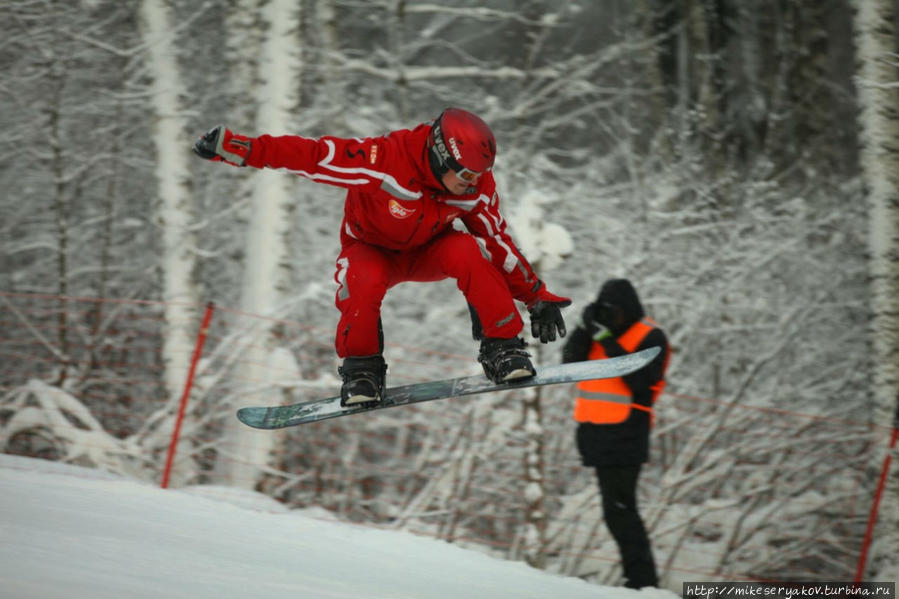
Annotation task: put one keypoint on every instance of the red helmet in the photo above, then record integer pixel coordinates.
(460, 141)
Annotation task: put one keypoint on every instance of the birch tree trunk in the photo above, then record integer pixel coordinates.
(242, 44)
(61, 202)
(528, 220)
(174, 213)
(266, 277)
(535, 517)
(877, 83)
(397, 43)
(535, 523)
(334, 82)
(750, 74)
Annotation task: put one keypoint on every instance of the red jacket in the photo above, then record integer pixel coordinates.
(394, 201)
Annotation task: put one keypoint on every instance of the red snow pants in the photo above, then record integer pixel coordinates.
(365, 273)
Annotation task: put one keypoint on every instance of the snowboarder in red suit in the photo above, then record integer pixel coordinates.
(404, 190)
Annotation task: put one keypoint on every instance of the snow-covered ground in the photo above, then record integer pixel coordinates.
(76, 533)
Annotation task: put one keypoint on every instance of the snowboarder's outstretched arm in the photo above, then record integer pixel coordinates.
(348, 163)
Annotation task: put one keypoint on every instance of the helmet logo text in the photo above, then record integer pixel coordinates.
(442, 152)
(456, 152)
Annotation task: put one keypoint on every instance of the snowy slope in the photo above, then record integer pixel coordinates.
(74, 533)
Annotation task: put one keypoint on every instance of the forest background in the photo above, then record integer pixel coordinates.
(737, 161)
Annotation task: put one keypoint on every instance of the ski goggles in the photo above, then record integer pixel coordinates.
(467, 175)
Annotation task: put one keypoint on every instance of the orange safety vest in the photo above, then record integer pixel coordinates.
(609, 401)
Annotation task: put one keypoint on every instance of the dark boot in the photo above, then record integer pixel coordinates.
(363, 380)
(505, 360)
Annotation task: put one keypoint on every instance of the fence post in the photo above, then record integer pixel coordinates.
(188, 384)
(875, 505)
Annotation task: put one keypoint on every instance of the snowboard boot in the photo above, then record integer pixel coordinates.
(363, 380)
(505, 360)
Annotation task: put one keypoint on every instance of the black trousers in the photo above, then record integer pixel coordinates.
(618, 489)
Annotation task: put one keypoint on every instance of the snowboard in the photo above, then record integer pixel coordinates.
(274, 417)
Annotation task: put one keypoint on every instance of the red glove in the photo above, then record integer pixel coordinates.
(546, 315)
(221, 145)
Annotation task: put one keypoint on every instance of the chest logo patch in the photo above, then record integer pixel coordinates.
(397, 210)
